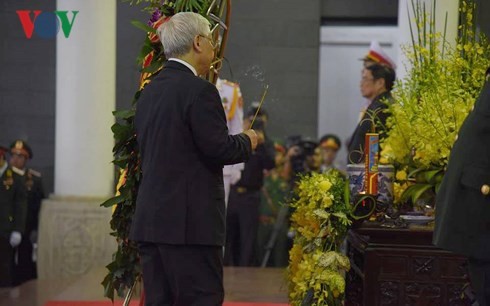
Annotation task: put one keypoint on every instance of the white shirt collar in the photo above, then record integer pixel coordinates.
(2, 169)
(178, 60)
(20, 172)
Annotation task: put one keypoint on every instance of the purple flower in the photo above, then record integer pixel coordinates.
(157, 14)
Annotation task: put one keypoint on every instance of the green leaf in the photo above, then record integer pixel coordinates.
(113, 201)
(143, 26)
(416, 191)
(124, 114)
(121, 161)
(431, 175)
(416, 171)
(108, 287)
(154, 67)
(438, 187)
(121, 132)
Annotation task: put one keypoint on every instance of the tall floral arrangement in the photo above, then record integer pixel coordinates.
(320, 221)
(124, 271)
(433, 100)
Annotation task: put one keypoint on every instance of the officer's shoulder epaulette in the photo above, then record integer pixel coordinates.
(17, 171)
(35, 173)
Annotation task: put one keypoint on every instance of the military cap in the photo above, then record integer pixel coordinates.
(308, 147)
(330, 141)
(377, 55)
(253, 109)
(21, 147)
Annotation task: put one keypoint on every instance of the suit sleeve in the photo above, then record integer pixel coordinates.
(20, 206)
(210, 132)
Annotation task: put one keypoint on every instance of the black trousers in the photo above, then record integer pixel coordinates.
(242, 223)
(182, 275)
(6, 262)
(480, 280)
(26, 268)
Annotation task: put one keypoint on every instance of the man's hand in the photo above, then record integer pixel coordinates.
(15, 239)
(253, 138)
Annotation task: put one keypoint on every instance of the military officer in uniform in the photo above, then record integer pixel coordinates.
(463, 201)
(21, 153)
(13, 205)
(231, 98)
(242, 219)
(329, 145)
(376, 85)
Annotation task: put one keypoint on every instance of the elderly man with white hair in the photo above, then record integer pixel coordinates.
(181, 130)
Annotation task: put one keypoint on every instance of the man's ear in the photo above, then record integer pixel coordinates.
(381, 82)
(197, 44)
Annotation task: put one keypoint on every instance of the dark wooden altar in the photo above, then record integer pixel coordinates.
(402, 267)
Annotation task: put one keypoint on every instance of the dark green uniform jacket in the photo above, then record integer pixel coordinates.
(463, 203)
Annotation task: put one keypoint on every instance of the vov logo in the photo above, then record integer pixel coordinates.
(46, 24)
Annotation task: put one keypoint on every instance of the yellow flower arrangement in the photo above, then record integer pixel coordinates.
(320, 221)
(433, 100)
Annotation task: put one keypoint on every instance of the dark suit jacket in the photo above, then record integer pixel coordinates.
(462, 211)
(184, 143)
(377, 108)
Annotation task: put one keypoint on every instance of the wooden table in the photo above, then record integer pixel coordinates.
(402, 267)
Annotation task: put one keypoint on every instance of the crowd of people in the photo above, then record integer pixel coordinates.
(257, 215)
(257, 231)
(21, 193)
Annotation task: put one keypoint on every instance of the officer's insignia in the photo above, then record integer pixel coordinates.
(19, 145)
(9, 181)
(34, 173)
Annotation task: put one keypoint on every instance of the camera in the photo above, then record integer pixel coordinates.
(303, 148)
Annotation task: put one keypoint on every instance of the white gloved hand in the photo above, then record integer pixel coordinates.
(15, 239)
(236, 175)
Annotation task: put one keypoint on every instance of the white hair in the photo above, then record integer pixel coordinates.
(177, 34)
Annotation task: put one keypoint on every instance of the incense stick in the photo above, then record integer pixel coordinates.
(260, 105)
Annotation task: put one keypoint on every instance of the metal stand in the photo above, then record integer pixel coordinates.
(281, 218)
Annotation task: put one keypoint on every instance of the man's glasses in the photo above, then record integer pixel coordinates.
(211, 41)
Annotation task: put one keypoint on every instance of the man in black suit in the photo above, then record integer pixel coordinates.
(183, 140)
(376, 85)
(463, 201)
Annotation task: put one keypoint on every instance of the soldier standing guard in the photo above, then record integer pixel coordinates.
(20, 153)
(242, 218)
(13, 205)
(463, 201)
(231, 98)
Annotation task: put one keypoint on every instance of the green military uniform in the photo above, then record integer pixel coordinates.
(13, 204)
(274, 196)
(463, 201)
(26, 266)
